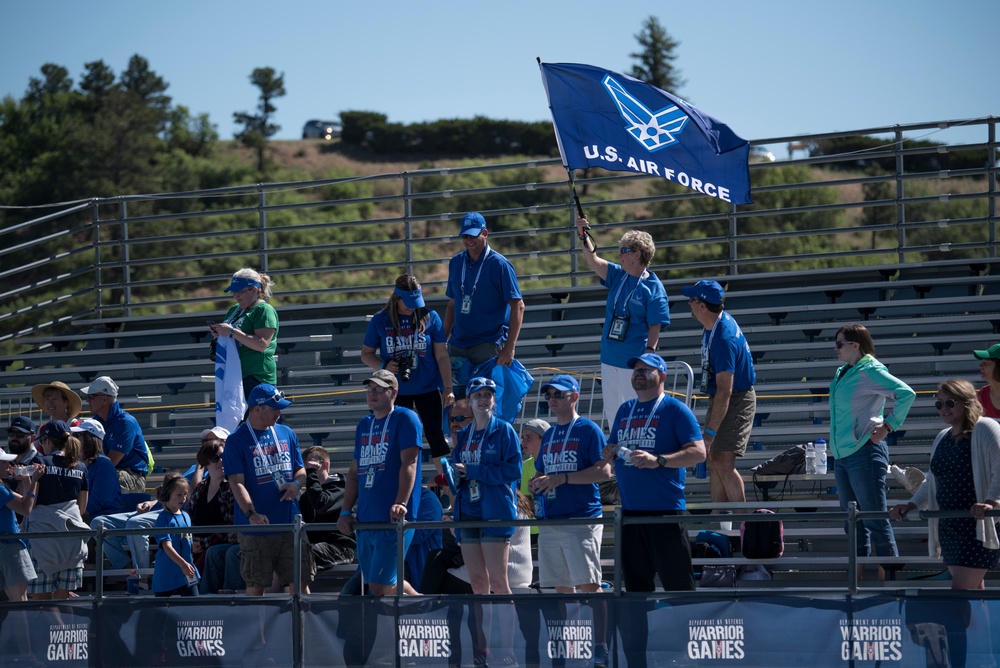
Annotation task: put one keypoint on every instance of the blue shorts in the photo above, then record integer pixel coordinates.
(377, 554)
(479, 535)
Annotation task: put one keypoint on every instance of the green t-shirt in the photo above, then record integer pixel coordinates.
(259, 365)
(527, 473)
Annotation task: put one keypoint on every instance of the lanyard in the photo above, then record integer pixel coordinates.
(619, 292)
(565, 438)
(256, 443)
(479, 443)
(706, 345)
(652, 412)
(385, 428)
(486, 254)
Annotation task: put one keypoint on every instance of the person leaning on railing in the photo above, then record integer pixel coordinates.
(964, 475)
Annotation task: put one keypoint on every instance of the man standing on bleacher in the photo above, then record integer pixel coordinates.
(123, 441)
(662, 438)
(728, 377)
(485, 309)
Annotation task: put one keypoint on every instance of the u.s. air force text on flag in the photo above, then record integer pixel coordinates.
(610, 120)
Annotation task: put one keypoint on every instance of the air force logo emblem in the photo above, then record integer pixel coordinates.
(654, 130)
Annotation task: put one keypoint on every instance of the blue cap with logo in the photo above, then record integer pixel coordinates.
(481, 383)
(473, 224)
(562, 382)
(706, 291)
(412, 299)
(650, 359)
(266, 394)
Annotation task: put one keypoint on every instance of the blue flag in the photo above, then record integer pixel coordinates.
(610, 120)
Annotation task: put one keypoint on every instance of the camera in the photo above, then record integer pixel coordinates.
(406, 364)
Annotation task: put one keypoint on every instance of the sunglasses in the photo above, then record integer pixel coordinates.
(949, 403)
(549, 396)
(480, 384)
(215, 459)
(642, 372)
(841, 344)
(694, 299)
(13, 433)
(91, 397)
(459, 418)
(625, 250)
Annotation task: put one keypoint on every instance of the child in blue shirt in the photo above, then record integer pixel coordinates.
(174, 571)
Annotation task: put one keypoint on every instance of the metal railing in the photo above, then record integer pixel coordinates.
(122, 256)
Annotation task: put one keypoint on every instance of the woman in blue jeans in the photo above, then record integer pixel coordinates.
(859, 425)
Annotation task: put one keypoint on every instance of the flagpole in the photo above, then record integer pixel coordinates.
(569, 172)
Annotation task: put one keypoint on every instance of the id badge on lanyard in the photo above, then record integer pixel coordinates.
(370, 477)
(474, 491)
(618, 327)
(466, 304)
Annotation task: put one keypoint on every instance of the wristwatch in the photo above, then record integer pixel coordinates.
(661, 461)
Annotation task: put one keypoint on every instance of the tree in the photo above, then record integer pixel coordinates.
(258, 128)
(656, 59)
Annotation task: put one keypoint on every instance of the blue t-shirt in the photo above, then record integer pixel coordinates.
(168, 576)
(378, 446)
(123, 434)
(105, 493)
(424, 541)
(261, 460)
(424, 374)
(8, 520)
(666, 430)
(566, 451)
(644, 301)
(729, 351)
(491, 283)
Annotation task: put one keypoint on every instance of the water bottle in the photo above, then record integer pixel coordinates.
(132, 582)
(449, 475)
(810, 458)
(625, 454)
(539, 506)
(820, 456)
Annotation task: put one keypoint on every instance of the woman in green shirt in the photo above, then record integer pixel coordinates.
(253, 324)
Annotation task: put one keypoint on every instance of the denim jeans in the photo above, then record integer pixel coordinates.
(138, 545)
(222, 569)
(861, 478)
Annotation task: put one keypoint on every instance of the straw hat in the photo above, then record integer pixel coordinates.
(75, 403)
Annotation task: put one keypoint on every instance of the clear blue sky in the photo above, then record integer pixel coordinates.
(767, 68)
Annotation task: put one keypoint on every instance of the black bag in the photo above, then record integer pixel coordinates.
(211, 349)
(762, 540)
(718, 576)
(790, 462)
(610, 496)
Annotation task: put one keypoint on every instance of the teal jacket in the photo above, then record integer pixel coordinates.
(857, 401)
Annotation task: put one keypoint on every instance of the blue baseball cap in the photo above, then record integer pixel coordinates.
(651, 359)
(23, 424)
(267, 395)
(481, 383)
(241, 283)
(411, 298)
(55, 429)
(473, 224)
(562, 382)
(706, 291)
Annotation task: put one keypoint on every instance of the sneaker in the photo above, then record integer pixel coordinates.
(601, 656)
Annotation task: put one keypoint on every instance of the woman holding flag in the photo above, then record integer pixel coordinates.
(635, 313)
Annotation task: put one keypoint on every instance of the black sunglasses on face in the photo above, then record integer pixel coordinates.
(950, 403)
(459, 418)
(215, 459)
(549, 396)
(840, 344)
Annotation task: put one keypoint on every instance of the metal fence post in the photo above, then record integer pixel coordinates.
(400, 535)
(297, 637)
(618, 551)
(262, 226)
(900, 206)
(126, 256)
(991, 154)
(852, 546)
(734, 252)
(407, 223)
(95, 215)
